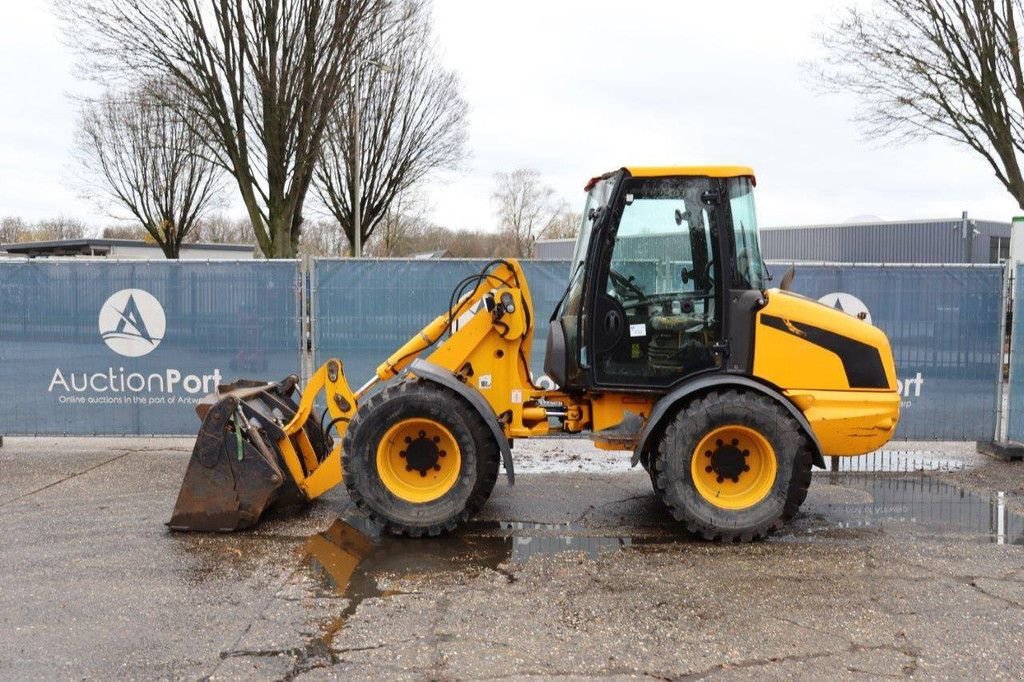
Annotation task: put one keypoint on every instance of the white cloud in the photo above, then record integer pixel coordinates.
(575, 88)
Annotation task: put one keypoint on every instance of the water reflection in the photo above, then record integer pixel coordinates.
(923, 501)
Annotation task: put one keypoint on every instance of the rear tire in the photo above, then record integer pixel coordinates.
(732, 466)
(394, 474)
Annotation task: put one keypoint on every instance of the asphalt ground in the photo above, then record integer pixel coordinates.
(576, 573)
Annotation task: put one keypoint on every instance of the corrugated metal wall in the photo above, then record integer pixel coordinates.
(922, 241)
(917, 241)
(555, 249)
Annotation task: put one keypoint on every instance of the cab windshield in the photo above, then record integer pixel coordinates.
(597, 200)
(749, 269)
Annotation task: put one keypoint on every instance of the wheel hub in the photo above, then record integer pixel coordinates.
(418, 460)
(727, 460)
(733, 466)
(422, 453)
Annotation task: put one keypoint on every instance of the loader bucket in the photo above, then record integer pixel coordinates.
(236, 472)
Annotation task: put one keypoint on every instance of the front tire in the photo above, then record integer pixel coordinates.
(732, 466)
(418, 460)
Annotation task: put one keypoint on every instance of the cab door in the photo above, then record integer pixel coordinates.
(654, 305)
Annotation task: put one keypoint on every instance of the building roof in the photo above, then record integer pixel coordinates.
(100, 247)
(430, 255)
(886, 223)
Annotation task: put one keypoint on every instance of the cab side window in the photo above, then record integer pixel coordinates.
(655, 318)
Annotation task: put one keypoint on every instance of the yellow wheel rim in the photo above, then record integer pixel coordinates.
(733, 467)
(418, 460)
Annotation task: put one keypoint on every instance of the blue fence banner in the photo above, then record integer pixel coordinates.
(944, 326)
(363, 310)
(129, 347)
(1015, 407)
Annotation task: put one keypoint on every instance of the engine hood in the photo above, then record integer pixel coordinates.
(802, 344)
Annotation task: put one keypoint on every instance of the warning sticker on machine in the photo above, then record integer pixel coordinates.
(637, 330)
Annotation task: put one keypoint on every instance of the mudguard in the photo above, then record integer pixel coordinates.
(670, 400)
(431, 372)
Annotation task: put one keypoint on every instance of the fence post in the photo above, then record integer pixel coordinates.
(1005, 350)
(1001, 447)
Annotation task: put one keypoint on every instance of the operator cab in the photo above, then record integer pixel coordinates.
(649, 302)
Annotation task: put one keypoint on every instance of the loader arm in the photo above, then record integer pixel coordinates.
(488, 349)
(250, 425)
(314, 477)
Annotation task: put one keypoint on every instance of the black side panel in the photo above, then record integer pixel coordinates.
(669, 401)
(431, 372)
(743, 306)
(554, 354)
(861, 362)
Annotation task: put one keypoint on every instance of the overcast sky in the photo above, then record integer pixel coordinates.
(573, 89)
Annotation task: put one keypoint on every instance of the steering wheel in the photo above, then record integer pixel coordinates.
(687, 274)
(669, 297)
(624, 286)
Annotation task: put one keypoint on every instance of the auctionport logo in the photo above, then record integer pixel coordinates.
(132, 323)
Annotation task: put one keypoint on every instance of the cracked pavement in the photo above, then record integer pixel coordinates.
(566, 574)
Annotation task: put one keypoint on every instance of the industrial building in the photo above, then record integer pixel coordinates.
(124, 248)
(952, 240)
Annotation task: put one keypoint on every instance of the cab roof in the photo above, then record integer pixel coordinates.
(705, 171)
(681, 171)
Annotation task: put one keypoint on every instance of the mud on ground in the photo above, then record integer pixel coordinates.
(566, 574)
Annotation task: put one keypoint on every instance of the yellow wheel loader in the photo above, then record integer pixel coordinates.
(666, 344)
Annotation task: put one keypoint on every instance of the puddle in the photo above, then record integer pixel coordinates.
(899, 461)
(937, 507)
(352, 560)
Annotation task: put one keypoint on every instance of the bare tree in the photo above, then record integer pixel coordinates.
(525, 207)
(403, 224)
(404, 118)
(322, 238)
(12, 229)
(262, 78)
(140, 154)
(944, 68)
(220, 229)
(566, 225)
(136, 232)
(55, 229)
